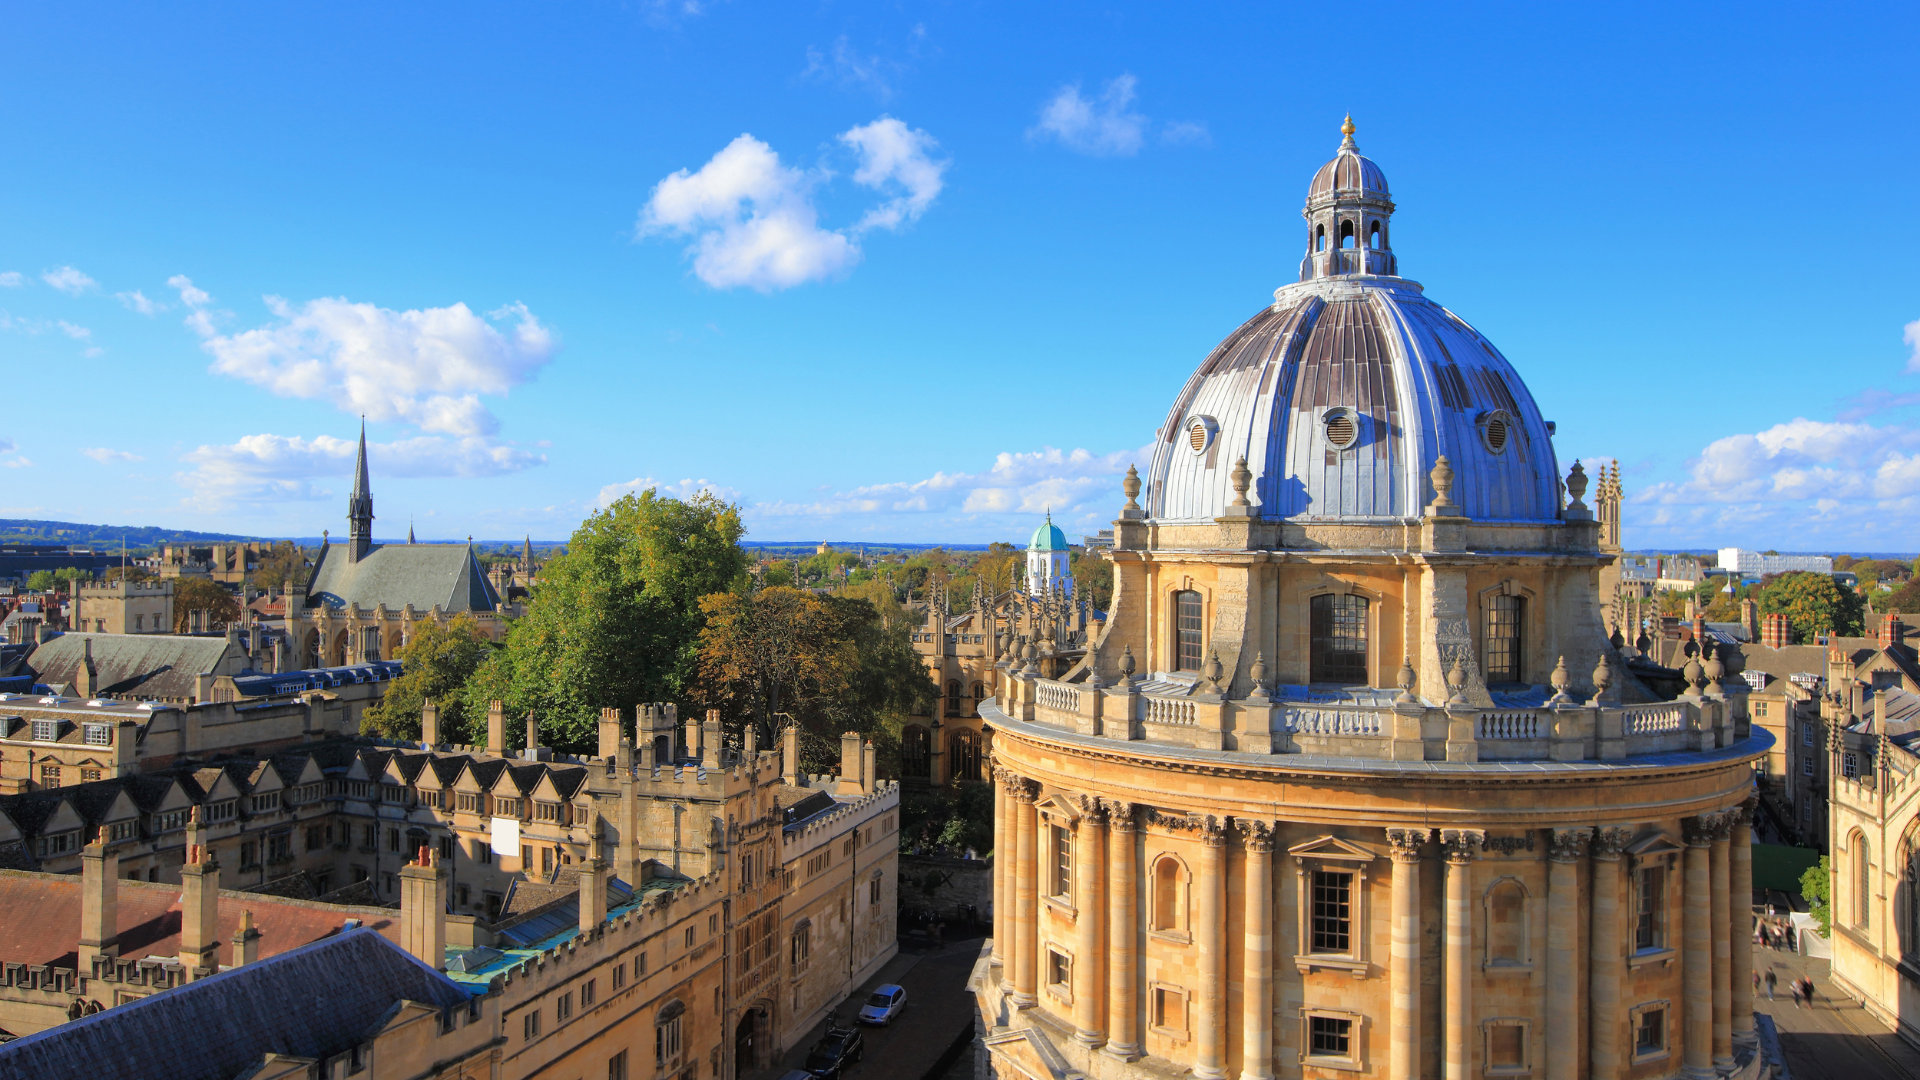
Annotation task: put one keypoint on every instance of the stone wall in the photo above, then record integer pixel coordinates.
(955, 884)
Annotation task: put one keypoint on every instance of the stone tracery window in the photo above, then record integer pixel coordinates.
(1862, 879)
(1337, 639)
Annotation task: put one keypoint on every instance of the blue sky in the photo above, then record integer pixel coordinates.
(917, 271)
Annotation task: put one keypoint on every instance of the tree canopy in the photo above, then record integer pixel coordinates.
(191, 594)
(1814, 603)
(437, 663)
(615, 621)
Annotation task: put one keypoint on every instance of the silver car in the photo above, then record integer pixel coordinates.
(883, 1005)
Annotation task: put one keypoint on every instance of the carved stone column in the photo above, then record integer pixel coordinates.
(1256, 1002)
(1403, 1058)
(1604, 958)
(1740, 915)
(1720, 912)
(1003, 854)
(1026, 925)
(1566, 848)
(1089, 898)
(1697, 951)
(1460, 846)
(1123, 959)
(1209, 942)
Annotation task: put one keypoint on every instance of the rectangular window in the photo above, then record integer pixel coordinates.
(1505, 616)
(50, 776)
(316, 837)
(1059, 970)
(279, 846)
(1650, 1032)
(873, 892)
(1506, 1048)
(1849, 765)
(587, 991)
(640, 966)
(1806, 766)
(88, 776)
(1649, 921)
(1170, 1009)
(393, 839)
(1061, 879)
(617, 1066)
(1806, 735)
(799, 947)
(99, 734)
(1332, 913)
(1187, 620)
(666, 1042)
(46, 730)
(689, 937)
(619, 977)
(1329, 1036)
(530, 1024)
(1337, 639)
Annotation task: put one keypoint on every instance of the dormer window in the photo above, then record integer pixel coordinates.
(46, 730)
(99, 734)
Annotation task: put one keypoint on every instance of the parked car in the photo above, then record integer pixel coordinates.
(837, 1049)
(883, 1005)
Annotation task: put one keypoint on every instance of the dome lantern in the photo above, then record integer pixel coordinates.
(1348, 210)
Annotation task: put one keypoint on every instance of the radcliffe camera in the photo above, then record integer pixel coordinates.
(711, 541)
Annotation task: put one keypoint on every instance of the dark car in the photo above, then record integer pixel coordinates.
(837, 1049)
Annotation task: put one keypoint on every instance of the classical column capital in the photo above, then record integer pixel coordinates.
(1460, 845)
(1609, 843)
(1091, 808)
(1568, 845)
(1213, 831)
(1406, 843)
(1744, 813)
(1120, 814)
(1257, 835)
(1700, 831)
(1022, 790)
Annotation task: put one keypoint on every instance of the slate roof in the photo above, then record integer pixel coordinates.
(133, 665)
(400, 574)
(314, 1002)
(40, 920)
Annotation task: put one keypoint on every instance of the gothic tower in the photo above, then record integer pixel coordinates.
(360, 506)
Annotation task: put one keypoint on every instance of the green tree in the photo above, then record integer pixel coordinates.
(615, 620)
(1095, 574)
(283, 567)
(40, 581)
(1816, 888)
(1814, 604)
(191, 594)
(437, 662)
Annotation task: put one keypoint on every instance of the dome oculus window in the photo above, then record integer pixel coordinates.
(1342, 428)
(1200, 433)
(1496, 429)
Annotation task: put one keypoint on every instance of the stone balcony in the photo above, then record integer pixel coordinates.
(1366, 723)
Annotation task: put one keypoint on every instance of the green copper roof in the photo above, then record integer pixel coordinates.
(1048, 537)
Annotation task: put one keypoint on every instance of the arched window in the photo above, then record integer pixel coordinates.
(916, 752)
(1505, 617)
(1319, 238)
(1169, 896)
(1187, 630)
(966, 756)
(979, 694)
(1506, 906)
(953, 691)
(1862, 880)
(1337, 639)
(1346, 234)
(1909, 880)
(1373, 235)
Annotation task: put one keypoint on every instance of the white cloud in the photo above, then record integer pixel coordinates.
(424, 367)
(137, 301)
(1185, 133)
(752, 219)
(272, 468)
(81, 333)
(200, 317)
(891, 153)
(1912, 338)
(844, 65)
(68, 280)
(105, 456)
(18, 463)
(684, 489)
(12, 279)
(1103, 127)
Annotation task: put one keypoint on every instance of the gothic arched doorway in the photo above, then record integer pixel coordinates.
(749, 1040)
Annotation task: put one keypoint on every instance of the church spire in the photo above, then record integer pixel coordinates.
(360, 505)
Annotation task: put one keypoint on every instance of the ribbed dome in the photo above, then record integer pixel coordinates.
(1048, 537)
(1345, 392)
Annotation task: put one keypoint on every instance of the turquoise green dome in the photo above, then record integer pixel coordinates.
(1048, 537)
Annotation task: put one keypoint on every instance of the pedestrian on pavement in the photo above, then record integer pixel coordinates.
(1808, 981)
(1795, 987)
(1756, 983)
(1772, 981)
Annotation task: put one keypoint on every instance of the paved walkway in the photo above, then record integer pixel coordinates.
(939, 1010)
(1833, 1039)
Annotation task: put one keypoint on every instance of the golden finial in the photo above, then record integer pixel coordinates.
(1346, 126)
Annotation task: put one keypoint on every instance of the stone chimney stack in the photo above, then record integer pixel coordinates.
(868, 762)
(710, 740)
(99, 905)
(423, 913)
(750, 740)
(1750, 619)
(86, 680)
(1776, 631)
(790, 755)
(429, 722)
(693, 739)
(199, 904)
(849, 765)
(533, 736)
(246, 941)
(609, 732)
(593, 880)
(1700, 631)
(1890, 631)
(497, 728)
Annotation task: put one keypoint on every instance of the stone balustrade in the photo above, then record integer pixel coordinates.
(1331, 724)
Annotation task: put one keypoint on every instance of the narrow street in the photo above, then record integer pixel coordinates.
(1834, 1039)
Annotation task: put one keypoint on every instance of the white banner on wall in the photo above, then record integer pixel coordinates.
(506, 837)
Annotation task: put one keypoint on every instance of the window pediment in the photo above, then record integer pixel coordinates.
(1332, 848)
(1653, 845)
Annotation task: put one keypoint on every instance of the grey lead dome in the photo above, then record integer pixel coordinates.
(1344, 392)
